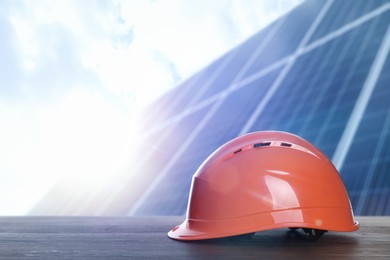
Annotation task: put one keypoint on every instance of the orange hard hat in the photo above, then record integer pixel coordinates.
(265, 180)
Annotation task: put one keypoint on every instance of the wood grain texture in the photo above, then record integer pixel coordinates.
(145, 238)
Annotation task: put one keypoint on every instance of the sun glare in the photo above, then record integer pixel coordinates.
(84, 137)
(78, 72)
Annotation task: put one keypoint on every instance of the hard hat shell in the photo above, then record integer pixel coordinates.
(261, 181)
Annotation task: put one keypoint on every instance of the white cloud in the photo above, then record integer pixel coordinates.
(115, 41)
(251, 15)
(194, 33)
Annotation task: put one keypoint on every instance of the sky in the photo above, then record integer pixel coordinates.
(73, 75)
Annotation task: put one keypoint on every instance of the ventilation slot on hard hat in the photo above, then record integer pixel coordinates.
(262, 144)
(286, 144)
(238, 151)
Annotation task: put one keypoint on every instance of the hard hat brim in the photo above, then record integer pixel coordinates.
(182, 232)
(199, 230)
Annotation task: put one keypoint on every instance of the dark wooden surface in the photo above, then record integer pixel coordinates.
(121, 237)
